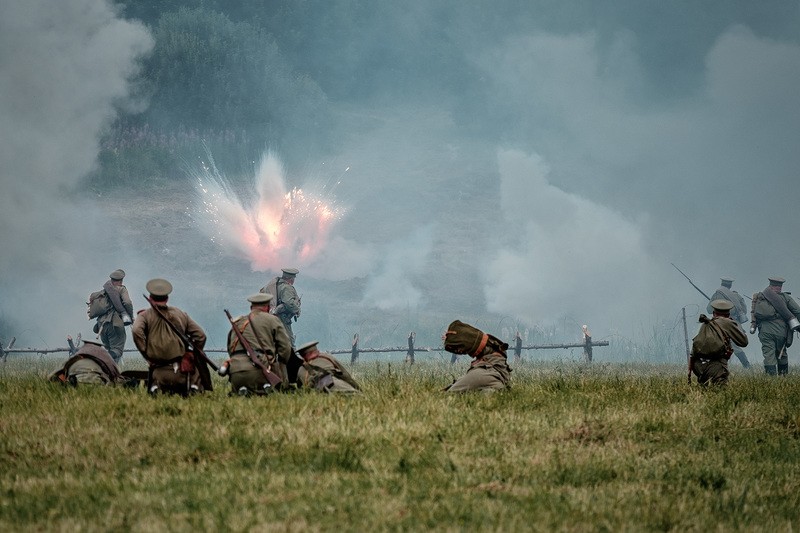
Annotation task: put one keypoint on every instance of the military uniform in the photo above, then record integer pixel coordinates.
(322, 372)
(173, 369)
(111, 325)
(91, 364)
(489, 370)
(711, 367)
(738, 312)
(286, 302)
(774, 329)
(268, 339)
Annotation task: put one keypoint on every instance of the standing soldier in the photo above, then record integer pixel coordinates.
(161, 333)
(285, 299)
(111, 324)
(775, 314)
(489, 369)
(270, 343)
(711, 347)
(322, 372)
(738, 313)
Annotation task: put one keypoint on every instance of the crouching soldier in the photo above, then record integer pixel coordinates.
(489, 369)
(168, 340)
(259, 349)
(91, 364)
(322, 372)
(711, 347)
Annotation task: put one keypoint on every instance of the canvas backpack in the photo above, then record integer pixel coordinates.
(710, 341)
(98, 304)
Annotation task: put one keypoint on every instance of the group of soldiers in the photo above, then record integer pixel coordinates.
(261, 347)
(263, 358)
(774, 315)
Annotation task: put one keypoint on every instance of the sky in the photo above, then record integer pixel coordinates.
(617, 142)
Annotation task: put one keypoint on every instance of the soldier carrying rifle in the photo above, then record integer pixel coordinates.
(286, 302)
(775, 315)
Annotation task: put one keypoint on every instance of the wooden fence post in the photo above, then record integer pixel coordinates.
(517, 348)
(354, 350)
(587, 343)
(410, 352)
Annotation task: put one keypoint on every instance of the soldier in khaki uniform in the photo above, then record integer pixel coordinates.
(111, 325)
(268, 339)
(91, 364)
(711, 367)
(489, 370)
(775, 314)
(173, 368)
(322, 372)
(738, 313)
(285, 301)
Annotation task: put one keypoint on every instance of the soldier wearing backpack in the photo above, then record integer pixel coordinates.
(739, 312)
(112, 307)
(711, 347)
(91, 364)
(775, 315)
(285, 301)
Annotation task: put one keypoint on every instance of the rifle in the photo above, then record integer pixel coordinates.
(205, 377)
(270, 376)
(690, 281)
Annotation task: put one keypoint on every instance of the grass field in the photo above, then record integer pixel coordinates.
(570, 448)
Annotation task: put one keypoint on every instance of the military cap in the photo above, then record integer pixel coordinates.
(461, 338)
(307, 346)
(727, 281)
(117, 275)
(260, 298)
(290, 271)
(159, 287)
(776, 280)
(723, 306)
(88, 340)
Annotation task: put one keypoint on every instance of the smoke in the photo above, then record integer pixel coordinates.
(64, 66)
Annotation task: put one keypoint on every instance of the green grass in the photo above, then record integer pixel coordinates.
(570, 447)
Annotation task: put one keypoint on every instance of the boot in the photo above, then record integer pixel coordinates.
(783, 369)
(771, 369)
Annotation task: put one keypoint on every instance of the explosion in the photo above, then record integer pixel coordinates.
(266, 224)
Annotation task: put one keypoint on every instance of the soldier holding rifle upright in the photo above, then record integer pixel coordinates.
(775, 314)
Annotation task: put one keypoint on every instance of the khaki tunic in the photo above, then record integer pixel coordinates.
(772, 328)
(487, 373)
(287, 306)
(314, 374)
(268, 338)
(91, 364)
(163, 349)
(112, 330)
(713, 368)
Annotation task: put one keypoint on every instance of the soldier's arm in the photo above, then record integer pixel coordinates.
(195, 332)
(736, 333)
(283, 346)
(793, 307)
(290, 300)
(126, 300)
(139, 332)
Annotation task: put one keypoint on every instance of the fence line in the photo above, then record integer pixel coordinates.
(355, 351)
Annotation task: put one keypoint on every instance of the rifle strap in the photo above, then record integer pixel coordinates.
(236, 337)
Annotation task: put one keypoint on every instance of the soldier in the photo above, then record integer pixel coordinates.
(285, 299)
(111, 325)
(173, 367)
(738, 313)
(775, 314)
(322, 372)
(91, 364)
(267, 337)
(489, 370)
(711, 348)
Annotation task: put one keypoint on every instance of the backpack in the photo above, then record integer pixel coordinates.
(98, 304)
(710, 340)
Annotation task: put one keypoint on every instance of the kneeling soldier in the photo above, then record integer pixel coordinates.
(322, 372)
(91, 364)
(711, 347)
(270, 343)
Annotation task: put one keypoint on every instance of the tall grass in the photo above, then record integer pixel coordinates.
(569, 447)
